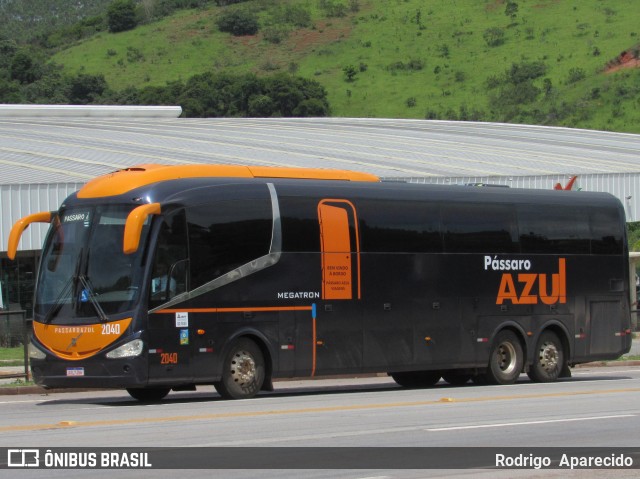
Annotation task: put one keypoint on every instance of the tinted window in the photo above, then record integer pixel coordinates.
(606, 231)
(554, 229)
(171, 252)
(399, 226)
(473, 228)
(300, 227)
(224, 235)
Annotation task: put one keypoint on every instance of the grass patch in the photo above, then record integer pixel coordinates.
(11, 354)
(629, 358)
(12, 362)
(18, 383)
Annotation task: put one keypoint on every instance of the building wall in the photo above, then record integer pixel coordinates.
(19, 200)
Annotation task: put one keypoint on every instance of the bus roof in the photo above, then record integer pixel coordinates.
(128, 179)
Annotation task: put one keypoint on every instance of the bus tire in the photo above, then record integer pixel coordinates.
(548, 363)
(506, 359)
(243, 371)
(416, 379)
(148, 394)
(456, 378)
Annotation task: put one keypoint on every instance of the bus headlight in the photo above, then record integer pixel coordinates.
(35, 352)
(128, 350)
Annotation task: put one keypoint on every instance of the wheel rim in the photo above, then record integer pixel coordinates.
(548, 356)
(243, 367)
(506, 355)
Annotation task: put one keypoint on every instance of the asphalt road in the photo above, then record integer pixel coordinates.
(597, 407)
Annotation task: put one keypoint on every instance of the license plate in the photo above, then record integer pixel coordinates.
(75, 371)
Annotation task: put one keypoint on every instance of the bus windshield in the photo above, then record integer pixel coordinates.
(84, 273)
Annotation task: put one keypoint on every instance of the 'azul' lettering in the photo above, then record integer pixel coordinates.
(521, 290)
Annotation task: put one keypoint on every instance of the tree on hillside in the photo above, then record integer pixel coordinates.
(121, 16)
(24, 68)
(238, 22)
(8, 49)
(86, 89)
(511, 10)
(515, 88)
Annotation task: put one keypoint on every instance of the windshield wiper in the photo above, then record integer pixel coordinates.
(91, 296)
(57, 303)
(69, 287)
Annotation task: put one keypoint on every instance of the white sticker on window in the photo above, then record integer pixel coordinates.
(182, 320)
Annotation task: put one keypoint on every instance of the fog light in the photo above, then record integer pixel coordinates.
(35, 352)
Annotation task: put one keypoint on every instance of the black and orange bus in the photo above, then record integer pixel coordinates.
(168, 277)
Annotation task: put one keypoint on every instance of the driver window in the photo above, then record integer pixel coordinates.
(168, 273)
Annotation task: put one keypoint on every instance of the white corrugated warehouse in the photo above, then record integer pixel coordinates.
(47, 152)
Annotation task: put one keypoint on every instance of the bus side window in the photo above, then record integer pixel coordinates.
(554, 230)
(225, 235)
(474, 228)
(606, 234)
(399, 226)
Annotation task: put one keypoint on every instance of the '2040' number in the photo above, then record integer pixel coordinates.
(110, 328)
(168, 358)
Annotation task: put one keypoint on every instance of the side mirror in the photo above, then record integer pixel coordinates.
(20, 226)
(133, 226)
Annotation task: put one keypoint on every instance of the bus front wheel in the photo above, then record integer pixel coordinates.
(243, 371)
(549, 360)
(506, 359)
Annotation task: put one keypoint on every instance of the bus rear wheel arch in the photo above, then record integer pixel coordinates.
(549, 358)
(243, 370)
(506, 359)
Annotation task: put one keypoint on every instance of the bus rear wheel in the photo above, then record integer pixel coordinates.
(148, 394)
(549, 359)
(416, 379)
(243, 371)
(506, 359)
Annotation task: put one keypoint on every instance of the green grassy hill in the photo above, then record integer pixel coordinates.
(544, 62)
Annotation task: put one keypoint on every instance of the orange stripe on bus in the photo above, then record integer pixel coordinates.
(235, 310)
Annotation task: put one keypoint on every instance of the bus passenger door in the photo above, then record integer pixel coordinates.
(171, 332)
(338, 322)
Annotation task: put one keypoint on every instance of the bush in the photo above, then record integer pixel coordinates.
(575, 75)
(311, 107)
(522, 72)
(276, 34)
(411, 65)
(86, 89)
(24, 67)
(295, 15)
(224, 3)
(333, 8)
(261, 106)
(121, 16)
(493, 36)
(350, 72)
(238, 22)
